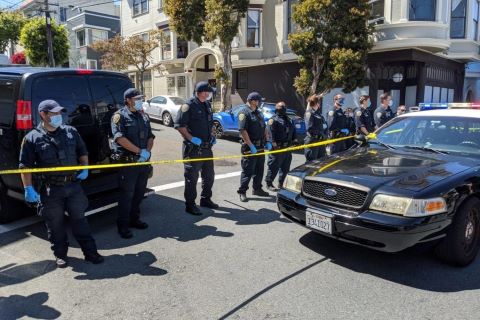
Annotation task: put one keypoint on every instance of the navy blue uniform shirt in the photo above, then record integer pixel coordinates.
(197, 117)
(363, 118)
(135, 126)
(44, 149)
(315, 123)
(382, 116)
(337, 119)
(282, 129)
(253, 122)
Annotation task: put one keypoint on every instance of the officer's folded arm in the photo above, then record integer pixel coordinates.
(127, 144)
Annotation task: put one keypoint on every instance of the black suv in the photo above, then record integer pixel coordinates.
(417, 182)
(90, 97)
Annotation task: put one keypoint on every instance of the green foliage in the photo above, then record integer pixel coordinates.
(11, 24)
(332, 41)
(33, 38)
(223, 19)
(187, 18)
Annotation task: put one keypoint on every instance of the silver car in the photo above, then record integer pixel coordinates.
(163, 108)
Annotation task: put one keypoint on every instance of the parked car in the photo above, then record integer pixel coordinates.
(226, 122)
(163, 108)
(417, 182)
(90, 98)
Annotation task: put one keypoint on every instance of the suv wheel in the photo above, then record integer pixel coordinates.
(167, 119)
(217, 130)
(461, 245)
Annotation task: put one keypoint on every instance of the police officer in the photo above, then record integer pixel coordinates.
(195, 124)
(316, 129)
(384, 113)
(363, 119)
(132, 142)
(350, 126)
(338, 124)
(401, 110)
(52, 144)
(255, 139)
(282, 131)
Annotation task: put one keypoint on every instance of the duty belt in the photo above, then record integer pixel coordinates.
(315, 136)
(58, 180)
(283, 144)
(258, 143)
(206, 145)
(117, 157)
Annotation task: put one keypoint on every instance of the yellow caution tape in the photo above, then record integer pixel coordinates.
(159, 162)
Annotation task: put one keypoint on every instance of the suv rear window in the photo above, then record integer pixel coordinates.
(108, 92)
(70, 91)
(7, 102)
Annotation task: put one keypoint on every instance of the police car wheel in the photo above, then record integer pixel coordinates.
(167, 119)
(462, 243)
(217, 129)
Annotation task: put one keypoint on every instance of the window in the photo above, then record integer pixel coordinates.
(290, 22)
(377, 11)
(242, 79)
(475, 19)
(160, 5)
(177, 100)
(422, 10)
(181, 87)
(95, 35)
(63, 14)
(145, 36)
(92, 64)
(81, 40)
(147, 84)
(7, 102)
(139, 7)
(253, 28)
(458, 20)
(171, 86)
(167, 45)
(182, 49)
(159, 100)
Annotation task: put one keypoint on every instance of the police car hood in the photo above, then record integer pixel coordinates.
(400, 169)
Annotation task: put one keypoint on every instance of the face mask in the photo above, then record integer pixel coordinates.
(281, 112)
(390, 103)
(350, 115)
(138, 105)
(369, 104)
(341, 101)
(56, 120)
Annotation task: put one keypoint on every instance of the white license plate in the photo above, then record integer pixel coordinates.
(318, 222)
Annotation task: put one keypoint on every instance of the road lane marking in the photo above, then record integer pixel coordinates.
(32, 220)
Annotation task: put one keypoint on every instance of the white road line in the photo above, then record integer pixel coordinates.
(32, 220)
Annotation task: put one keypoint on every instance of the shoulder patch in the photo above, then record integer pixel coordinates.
(116, 118)
(241, 116)
(185, 107)
(270, 122)
(358, 113)
(331, 113)
(379, 114)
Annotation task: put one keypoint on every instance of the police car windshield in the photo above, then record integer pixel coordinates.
(458, 135)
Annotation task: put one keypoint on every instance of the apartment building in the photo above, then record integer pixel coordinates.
(425, 51)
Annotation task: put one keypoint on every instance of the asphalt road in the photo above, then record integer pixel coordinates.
(243, 261)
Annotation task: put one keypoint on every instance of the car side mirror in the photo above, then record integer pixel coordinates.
(148, 101)
(361, 140)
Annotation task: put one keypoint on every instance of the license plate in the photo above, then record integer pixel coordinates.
(318, 221)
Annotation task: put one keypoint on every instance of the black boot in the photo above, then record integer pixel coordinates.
(138, 225)
(243, 197)
(193, 209)
(208, 203)
(94, 258)
(260, 193)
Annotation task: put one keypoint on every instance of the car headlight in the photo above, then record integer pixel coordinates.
(293, 183)
(408, 207)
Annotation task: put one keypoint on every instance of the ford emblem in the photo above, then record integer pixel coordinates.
(330, 192)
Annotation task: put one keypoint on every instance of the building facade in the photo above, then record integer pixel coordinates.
(421, 52)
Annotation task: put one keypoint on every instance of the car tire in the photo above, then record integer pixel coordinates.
(217, 130)
(462, 242)
(8, 206)
(167, 119)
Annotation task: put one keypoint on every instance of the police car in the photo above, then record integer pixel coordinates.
(417, 181)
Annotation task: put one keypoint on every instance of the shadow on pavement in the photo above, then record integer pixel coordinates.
(117, 266)
(12, 274)
(33, 306)
(414, 267)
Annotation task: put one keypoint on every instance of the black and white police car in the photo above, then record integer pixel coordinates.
(416, 181)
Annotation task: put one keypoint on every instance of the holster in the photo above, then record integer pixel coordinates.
(191, 150)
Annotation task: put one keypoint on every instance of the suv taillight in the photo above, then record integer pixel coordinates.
(24, 115)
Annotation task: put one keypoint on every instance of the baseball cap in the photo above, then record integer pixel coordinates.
(254, 96)
(203, 86)
(132, 93)
(50, 106)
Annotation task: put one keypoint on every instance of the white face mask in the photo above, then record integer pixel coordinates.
(138, 105)
(390, 103)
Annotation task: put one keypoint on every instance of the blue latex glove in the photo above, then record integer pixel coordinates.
(253, 150)
(213, 140)
(345, 131)
(196, 141)
(144, 155)
(31, 195)
(82, 175)
(268, 146)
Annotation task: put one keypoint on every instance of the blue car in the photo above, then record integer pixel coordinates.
(226, 122)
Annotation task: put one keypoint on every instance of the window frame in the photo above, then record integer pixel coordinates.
(77, 42)
(475, 21)
(464, 17)
(258, 29)
(162, 47)
(62, 12)
(92, 60)
(160, 5)
(371, 4)
(435, 6)
(140, 4)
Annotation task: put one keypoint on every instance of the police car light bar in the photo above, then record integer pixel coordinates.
(434, 106)
(466, 105)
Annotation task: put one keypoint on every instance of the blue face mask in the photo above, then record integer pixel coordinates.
(369, 103)
(56, 120)
(138, 105)
(341, 101)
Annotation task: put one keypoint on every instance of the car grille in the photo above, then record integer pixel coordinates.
(344, 196)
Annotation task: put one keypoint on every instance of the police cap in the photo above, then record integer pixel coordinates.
(132, 93)
(203, 86)
(254, 96)
(49, 106)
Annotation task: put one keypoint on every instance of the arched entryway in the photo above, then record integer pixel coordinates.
(200, 66)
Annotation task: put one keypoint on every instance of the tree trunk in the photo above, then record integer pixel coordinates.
(142, 87)
(226, 85)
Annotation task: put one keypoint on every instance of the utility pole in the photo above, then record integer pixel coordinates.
(48, 20)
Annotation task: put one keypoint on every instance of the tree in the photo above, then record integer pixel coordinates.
(332, 41)
(215, 21)
(11, 24)
(33, 38)
(18, 58)
(120, 52)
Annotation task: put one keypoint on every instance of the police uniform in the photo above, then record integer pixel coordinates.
(337, 122)
(317, 130)
(282, 132)
(363, 118)
(382, 116)
(61, 191)
(197, 117)
(351, 129)
(253, 122)
(134, 126)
